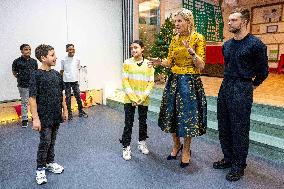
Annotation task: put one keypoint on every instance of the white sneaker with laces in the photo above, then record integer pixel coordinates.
(54, 168)
(126, 153)
(40, 176)
(143, 147)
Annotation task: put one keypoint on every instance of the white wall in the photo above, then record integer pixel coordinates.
(93, 26)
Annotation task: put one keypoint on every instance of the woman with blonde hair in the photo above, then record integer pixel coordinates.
(183, 110)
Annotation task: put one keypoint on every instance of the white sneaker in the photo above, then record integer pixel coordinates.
(40, 176)
(143, 147)
(126, 153)
(55, 168)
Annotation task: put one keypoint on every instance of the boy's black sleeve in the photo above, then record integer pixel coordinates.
(15, 66)
(33, 85)
(36, 65)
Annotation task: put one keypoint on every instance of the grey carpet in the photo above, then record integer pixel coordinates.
(92, 157)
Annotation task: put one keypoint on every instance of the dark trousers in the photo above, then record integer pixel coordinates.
(76, 91)
(45, 153)
(129, 119)
(233, 112)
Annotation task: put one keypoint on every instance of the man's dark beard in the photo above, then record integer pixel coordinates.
(235, 30)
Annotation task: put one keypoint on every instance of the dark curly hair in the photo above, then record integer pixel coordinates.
(42, 50)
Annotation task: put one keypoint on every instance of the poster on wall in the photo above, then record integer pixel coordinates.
(273, 55)
(267, 14)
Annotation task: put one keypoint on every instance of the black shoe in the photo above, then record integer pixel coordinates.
(70, 116)
(183, 165)
(24, 123)
(83, 114)
(171, 157)
(222, 164)
(234, 175)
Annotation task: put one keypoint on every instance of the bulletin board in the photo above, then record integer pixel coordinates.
(208, 18)
(267, 23)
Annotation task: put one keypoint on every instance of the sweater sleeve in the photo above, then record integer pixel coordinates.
(150, 85)
(201, 47)
(261, 64)
(125, 84)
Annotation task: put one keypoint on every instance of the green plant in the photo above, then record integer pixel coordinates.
(160, 47)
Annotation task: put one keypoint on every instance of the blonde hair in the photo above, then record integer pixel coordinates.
(188, 17)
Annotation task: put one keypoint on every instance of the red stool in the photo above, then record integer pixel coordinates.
(18, 109)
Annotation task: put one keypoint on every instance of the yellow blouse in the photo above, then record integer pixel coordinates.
(180, 59)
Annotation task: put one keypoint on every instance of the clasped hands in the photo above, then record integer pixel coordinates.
(139, 102)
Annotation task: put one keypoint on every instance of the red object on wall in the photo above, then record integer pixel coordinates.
(18, 109)
(214, 55)
(280, 64)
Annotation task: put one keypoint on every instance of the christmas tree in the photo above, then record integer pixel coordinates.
(160, 48)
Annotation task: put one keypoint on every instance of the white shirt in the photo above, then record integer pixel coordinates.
(71, 66)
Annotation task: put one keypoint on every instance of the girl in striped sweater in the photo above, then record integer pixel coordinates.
(137, 82)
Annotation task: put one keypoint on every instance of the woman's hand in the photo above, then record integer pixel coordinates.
(189, 49)
(36, 124)
(154, 62)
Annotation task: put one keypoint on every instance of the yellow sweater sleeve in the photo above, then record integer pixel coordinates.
(125, 84)
(150, 85)
(201, 47)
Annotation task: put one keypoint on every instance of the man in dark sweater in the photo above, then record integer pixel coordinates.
(22, 68)
(246, 67)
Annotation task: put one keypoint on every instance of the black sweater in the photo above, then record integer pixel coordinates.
(246, 59)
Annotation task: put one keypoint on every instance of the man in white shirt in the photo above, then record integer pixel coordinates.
(70, 67)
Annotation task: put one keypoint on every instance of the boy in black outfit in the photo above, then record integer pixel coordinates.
(46, 102)
(22, 68)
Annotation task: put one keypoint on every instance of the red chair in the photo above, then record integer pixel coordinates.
(214, 55)
(280, 64)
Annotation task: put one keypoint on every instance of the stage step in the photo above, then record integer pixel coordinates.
(267, 124)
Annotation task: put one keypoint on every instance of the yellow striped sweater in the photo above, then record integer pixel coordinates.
(137, 81)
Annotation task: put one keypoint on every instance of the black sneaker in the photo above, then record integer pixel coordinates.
(24, 123)
(222, 164)
(83, 114)
(234, 175)
(70, 116)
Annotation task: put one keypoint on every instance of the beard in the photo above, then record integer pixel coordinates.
(235, 29)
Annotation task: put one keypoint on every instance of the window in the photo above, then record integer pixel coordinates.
(149, 21)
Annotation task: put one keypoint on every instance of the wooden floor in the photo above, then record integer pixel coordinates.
(270, 92)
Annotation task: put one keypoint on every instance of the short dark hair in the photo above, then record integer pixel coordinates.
(42, 50)
(139, 42)
(245, 13)
(69, 45)
(23, 46)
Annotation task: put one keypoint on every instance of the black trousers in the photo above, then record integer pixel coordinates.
(45, 153)
(76, 91)
(233, 112)
(129, 119)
